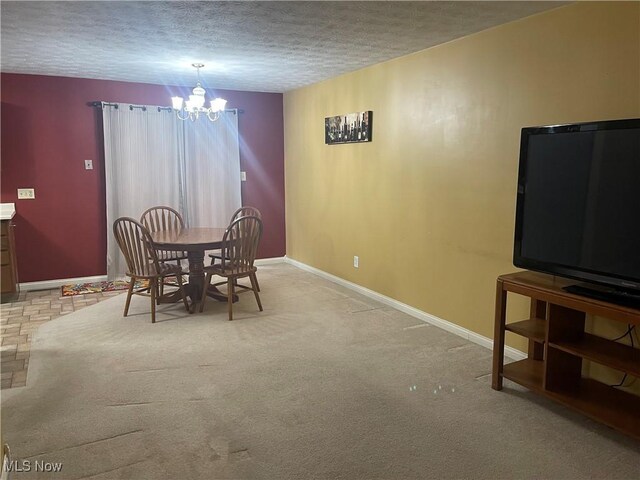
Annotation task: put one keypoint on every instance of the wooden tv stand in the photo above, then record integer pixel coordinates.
(557, 345)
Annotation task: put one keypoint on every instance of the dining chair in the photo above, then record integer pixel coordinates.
(239, 246)
(241, 212)
(162, 218)
(143, 264)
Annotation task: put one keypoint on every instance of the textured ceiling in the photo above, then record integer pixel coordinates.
(257, 46)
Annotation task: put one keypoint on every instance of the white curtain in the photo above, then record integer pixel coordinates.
(141, 148)
(212, 171)
(152, 158)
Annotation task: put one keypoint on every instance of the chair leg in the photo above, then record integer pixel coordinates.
(160, 289)
(153, 290)
(255, 279)
(205, 287)
(230, 283)
(129, 295)
(254, 287)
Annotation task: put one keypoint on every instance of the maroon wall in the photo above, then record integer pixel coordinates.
(48, 131)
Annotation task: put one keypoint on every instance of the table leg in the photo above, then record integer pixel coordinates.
(196, 275)
(193, 289)
(196, 279)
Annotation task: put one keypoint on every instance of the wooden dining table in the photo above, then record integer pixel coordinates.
(195, 241)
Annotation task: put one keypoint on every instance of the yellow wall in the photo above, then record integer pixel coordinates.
(429, 205)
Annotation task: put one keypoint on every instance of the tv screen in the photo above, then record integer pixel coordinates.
(578, 202)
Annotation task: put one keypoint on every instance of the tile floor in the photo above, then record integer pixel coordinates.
(19, 319)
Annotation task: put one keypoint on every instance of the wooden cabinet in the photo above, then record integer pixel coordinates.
(558, 344)
(8, 265)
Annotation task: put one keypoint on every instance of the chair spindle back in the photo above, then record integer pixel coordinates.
(161, 219)
(136, 246)
(246, 212)
(240, 244)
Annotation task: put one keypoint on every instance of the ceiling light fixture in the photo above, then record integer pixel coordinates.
(195, 105)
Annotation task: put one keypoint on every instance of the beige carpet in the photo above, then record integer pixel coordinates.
(323, 384)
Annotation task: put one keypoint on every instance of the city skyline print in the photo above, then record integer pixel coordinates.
(349, 128)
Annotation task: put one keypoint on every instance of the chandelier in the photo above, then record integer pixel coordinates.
(192, 108)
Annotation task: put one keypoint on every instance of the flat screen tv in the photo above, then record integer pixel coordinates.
(578, 206)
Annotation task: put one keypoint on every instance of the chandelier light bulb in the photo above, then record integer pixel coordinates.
(218, 104)
(177, 103)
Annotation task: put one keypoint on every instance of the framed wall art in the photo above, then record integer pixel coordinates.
(349, 128)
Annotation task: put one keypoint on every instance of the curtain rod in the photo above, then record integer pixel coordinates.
(144, 107)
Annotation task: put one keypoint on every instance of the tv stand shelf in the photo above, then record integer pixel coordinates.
(533, 329)
(558, 344)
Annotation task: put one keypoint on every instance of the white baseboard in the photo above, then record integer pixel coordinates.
(474, 337)
(49, 284)
(269, 261)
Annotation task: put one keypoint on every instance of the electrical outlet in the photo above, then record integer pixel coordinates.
(88, 164)
(26, 193)
(356, 261)
(243, 176)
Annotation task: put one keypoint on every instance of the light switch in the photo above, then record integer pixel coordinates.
(88, 164)
(26, 193)
(243, 176)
